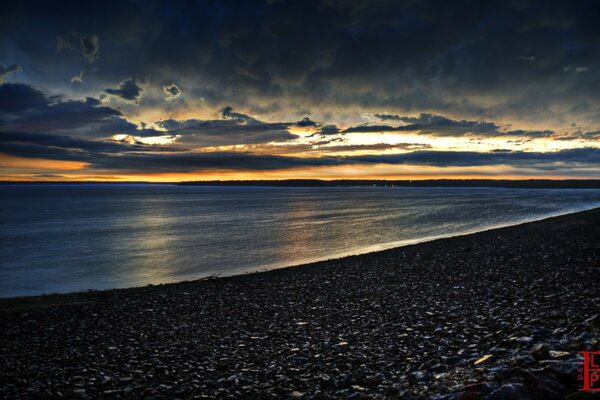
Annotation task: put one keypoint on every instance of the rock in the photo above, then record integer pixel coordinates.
(593, 320)
(483, 359)
(564, 372)
(510, 391)
(522, 339)
(559, 354)
(451, 360)
(545, 388)
(460, 396)
(540, 351)
(419, 377)
(480, 387)
(524, 361)
(437, 368)
(500, 372)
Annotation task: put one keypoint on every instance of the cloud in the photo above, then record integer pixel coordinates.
(90, 46)
(233, 128)
(557, 159)
(228, 113)
(329, 130)
(306, 122)
(439, 125)
(509, 69)
(5, 71)
(39, 115)
(65, 148)
(62, 44)
(78, 78)
(376, 147)
(186, 162)
(172, 91)
(123, 157)
(388, 117)
(24, 108)
(129, 90)
(18, 97)
(36, 125)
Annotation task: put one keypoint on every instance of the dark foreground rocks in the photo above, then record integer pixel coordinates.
(495, 315)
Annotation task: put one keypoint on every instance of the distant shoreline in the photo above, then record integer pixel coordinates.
(449, 183)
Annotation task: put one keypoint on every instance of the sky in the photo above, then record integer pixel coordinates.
(206, 90)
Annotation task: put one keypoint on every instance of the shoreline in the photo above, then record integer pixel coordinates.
(496, 313)
(379, 248)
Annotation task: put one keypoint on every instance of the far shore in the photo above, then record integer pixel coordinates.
(419, 183)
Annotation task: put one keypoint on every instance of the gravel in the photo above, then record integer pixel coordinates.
(499, 314)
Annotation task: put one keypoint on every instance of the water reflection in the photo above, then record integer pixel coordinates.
(68, 238)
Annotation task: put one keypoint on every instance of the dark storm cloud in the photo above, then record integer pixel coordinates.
(129, 90)
(438, 125)
(66, 115)
(582, 156)
(232, 128)
(64, 148)
(24, 108)
(478, 59)
(66, 142)
(90, 46)
(189, 161)
(18, 97)
(235, 128)
(234, 123)
(185, 162)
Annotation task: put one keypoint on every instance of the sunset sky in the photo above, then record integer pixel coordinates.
(172, 91)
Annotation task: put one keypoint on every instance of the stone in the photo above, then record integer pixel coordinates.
(510, 391)
(540, 351)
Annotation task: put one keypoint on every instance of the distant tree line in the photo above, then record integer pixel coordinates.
(503, 183)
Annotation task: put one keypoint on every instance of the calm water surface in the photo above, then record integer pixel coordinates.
(76, 237)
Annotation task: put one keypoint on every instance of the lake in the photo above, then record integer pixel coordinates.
(64, 238)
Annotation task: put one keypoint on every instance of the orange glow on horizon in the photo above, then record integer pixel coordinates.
(8, 162)
(374, 172)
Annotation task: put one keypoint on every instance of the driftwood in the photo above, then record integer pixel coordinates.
(210, 277)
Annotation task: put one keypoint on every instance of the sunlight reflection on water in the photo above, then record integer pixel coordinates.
(77, 237)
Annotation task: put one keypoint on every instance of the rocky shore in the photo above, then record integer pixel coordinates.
(494, 315)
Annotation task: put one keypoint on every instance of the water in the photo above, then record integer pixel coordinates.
(76, 237)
